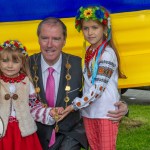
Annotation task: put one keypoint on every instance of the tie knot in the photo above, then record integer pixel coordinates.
(51, 70)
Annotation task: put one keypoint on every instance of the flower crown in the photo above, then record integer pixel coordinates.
(94, 13)
(14, 44)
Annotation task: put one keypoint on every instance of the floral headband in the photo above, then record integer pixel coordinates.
(14, 44)
(94, 13)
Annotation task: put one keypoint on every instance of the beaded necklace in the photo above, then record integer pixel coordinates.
(17, 79)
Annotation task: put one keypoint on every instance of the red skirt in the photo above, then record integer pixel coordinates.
(14, 141)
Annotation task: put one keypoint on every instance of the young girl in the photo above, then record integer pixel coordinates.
(18, 100)
(100, 72)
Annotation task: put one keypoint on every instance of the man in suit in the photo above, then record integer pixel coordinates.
(52, 35)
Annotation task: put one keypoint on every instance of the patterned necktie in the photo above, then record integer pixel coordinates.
(50, 93)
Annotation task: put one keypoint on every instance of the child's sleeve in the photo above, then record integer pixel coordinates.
(37, 109)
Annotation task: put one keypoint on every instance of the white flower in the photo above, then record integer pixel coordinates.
(108, 24)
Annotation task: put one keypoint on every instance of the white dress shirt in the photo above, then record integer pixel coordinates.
(56, 73)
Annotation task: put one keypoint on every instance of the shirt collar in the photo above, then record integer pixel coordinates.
(56, 66)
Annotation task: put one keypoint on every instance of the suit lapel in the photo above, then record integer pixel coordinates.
(62, 83)
(40, 81)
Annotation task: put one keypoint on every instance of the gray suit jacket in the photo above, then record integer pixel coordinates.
(72, 125)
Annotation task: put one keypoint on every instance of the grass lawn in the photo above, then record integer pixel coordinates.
(134, 131)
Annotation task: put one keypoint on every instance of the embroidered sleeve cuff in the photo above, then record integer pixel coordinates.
(74, 107)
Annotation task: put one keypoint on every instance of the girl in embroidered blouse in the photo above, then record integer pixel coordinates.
(18, 100)
(101, 71)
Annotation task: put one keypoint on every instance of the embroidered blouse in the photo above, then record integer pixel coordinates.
(97, 99)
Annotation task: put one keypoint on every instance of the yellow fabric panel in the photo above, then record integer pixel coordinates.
(23, 31)
(131, 32)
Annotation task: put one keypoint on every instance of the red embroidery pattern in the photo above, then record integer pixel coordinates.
(90, 53)
(105, 71)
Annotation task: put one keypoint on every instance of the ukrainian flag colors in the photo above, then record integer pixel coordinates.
(130, 24)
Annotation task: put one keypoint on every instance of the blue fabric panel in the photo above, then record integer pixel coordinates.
(22, 10)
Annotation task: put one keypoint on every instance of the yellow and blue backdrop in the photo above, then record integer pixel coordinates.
(130, 23)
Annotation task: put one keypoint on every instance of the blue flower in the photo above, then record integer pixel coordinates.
(78, 14)
(99, 14)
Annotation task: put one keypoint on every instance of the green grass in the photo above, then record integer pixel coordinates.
(134, 131)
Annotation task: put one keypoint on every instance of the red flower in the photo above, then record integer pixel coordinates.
(16, 44)
(78, 22)
(106, 14)
(1, 48)
(104, 22)
(24, 48)
(7, 42)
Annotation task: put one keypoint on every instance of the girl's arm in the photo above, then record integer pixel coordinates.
(37, 109)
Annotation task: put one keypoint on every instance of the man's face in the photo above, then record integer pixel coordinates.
(51, 40)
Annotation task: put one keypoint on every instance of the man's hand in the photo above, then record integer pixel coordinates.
(59, 111)
(116, 115)
(66, 112)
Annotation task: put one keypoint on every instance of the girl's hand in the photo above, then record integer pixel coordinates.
(56, 111)
(116, 115)
(66, 112)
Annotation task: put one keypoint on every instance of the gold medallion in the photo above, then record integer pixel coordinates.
(68, 66)
(35, 67)
(35, 78)
(56, 117)
(37, 89)
(66, 99)
(56, 128)
(44, 105)
(67, 88)
(68, 76)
